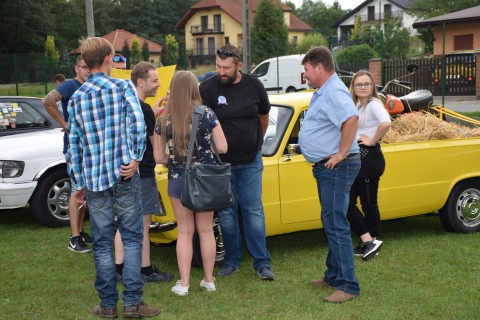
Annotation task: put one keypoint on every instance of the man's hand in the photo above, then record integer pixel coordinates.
(79, 196)
(127, 171)
(158, 107)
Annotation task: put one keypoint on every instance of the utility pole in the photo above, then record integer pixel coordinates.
(247, 59)
(89, 16)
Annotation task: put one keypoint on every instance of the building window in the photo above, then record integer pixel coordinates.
(227, 40)
(204, 23)
(217, 23)
(211, 46)
(199, 51)
(463, 42)
(387, 10)
(371, 13)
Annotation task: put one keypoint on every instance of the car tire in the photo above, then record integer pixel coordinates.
(220, 250)
(291, 89)
(461, 213)
(50, 201)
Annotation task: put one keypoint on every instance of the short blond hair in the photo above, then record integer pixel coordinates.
(94, 50)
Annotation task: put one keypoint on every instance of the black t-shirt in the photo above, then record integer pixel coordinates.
(237, 107)
(147, 165)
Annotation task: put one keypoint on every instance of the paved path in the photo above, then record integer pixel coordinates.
(459, 103)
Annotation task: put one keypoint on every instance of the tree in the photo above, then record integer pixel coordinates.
(320, 16)
(126, 54)
(269, 33)
(145, 51)
(311, 40)
(357, 29)
(394, 35)
(51, 53)
(170, 56)
(135, 53)
(355, 57)
(433, 8)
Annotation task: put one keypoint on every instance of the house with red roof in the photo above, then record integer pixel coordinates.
(211, 24)
(118, 38)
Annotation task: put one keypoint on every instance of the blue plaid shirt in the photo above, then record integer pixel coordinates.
(105, 130)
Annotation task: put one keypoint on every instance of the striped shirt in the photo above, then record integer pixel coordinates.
(105, 130)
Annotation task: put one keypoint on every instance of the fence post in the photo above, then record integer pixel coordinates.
(382, 55)
(15, 72)
(375, 68)
(444, 69)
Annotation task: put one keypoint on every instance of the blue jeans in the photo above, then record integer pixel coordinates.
(246, 182)
(333, 190)
(124, 198)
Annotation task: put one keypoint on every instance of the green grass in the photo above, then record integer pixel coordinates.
(475, 114)
(422, 272)
(27, 89)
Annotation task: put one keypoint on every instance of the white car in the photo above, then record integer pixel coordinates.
(32, 164)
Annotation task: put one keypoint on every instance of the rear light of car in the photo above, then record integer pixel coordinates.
(11, 169)
(302, 77)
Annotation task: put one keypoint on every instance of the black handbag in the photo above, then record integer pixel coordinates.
(206, 187)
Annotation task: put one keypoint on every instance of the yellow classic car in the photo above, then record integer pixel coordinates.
(422, 177)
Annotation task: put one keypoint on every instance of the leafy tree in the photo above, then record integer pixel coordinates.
(145, 51)
(269, 33)
(135, 53)
(357, 29)
(355, 57)
(432, 8)
(171, 54)
(311, 40)
(395, 38)
(126, 54)
(51, 53)
(320, 16)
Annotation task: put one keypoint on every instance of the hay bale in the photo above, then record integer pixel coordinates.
(417, 126)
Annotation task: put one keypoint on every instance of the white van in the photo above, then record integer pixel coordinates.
(288, 78)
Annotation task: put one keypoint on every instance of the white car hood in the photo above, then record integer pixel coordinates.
(32, 145)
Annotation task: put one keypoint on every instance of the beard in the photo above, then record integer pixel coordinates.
(228, 80)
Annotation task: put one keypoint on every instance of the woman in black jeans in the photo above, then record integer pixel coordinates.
(373, 123)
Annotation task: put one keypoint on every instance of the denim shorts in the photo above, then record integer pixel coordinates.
(175, 187)
(150, 197)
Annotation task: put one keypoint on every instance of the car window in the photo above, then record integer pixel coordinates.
(261, 70)
(20, 115)
(279, 118)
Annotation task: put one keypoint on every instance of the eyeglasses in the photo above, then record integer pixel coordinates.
(118, 58)
(85, 67)
(228, 53)
(362, 85)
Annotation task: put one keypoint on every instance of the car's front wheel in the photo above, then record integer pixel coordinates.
(461, 213)
(50, 201)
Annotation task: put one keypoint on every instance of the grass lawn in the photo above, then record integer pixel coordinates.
(423, 272)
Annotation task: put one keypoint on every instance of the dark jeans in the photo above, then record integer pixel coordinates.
(367, 190)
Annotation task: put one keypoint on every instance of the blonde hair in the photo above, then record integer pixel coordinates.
(94, 50)
(184, 96)
(373, 94)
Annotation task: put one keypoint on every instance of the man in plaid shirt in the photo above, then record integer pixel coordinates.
(106, 134)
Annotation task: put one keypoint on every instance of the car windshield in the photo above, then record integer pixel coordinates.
(20, 115)
(279, 118)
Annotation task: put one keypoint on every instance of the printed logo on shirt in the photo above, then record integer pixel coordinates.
(222, 100)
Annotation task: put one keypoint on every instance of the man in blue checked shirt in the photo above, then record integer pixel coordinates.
(106, 134)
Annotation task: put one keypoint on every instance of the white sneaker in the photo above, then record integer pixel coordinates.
(209, 286)
(179, 290)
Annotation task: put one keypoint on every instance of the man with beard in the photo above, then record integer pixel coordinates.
(241, 105)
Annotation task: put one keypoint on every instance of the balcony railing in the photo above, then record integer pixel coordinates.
(381, 16)
(199, 29)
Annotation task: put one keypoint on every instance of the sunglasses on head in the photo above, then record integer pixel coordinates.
(228, 53)
(117, 58)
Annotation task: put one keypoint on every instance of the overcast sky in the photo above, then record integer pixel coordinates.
(345, 4)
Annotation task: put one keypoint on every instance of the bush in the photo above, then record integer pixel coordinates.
(357, 56)
(311, 40)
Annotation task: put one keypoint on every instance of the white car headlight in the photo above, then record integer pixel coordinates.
(11, 169)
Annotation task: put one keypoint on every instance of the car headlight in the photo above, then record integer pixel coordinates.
(11, 169)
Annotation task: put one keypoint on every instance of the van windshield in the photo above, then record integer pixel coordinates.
(261, 70)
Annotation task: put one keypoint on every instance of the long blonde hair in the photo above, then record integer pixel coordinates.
(374, 89)
(184, 96)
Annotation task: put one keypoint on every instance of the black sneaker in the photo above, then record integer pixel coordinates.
(359, 250)
(371, 249)
(156, 276)
(86, 237)
(76, 244)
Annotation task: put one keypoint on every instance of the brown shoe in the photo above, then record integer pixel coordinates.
(140, 310)
(105, 312)
(339, 296)
(321, 283)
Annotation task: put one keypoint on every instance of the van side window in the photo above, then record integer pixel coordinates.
(261, 70)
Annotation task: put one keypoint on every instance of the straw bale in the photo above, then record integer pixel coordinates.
(416, 126)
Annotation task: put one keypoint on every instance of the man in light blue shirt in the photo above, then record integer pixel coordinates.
(106, 134)
(327, 139)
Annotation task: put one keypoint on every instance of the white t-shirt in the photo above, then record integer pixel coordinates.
(370, 117)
